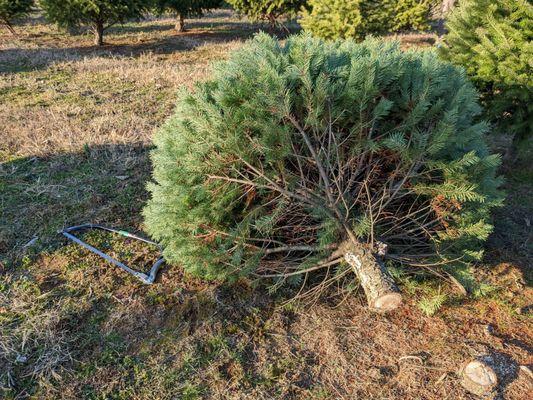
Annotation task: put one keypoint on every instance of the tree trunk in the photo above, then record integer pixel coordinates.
(180, 24)
(447, 6)
(381, 292)
(445, 10)
(9, 27)
(99, 34)
(271, 22)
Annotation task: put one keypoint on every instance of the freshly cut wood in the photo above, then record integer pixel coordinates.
(479, 376)
(381, 292)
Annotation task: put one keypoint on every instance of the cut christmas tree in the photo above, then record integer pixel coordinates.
(322, 163)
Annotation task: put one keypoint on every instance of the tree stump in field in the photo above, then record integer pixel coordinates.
(479, 377)
(488, 373)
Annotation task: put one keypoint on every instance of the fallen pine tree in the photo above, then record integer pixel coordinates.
(324, 159)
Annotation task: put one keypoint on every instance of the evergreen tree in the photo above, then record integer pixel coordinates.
(492, 40)
(98, 14)
(300, 156)
(333, 19)
(185, 9)
(11, 9)
(411, 14)
(269, 10)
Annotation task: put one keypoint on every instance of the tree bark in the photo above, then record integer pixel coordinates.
(381, 292)
(520, 141)
(9, 27)
(447, 6)
(445, 10)
(99, 34)
(180, 24)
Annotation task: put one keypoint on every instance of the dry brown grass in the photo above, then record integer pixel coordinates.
(69, 110)
(69, 97)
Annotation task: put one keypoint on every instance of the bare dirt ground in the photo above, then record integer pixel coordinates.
(75, 124)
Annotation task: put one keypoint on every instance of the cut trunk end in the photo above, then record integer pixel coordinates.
(388, 302)
(381, 292)
(479, 377)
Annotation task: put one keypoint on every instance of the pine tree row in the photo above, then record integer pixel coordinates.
(324, 18)
(100, 15)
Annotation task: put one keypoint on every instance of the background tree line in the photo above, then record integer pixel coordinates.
(100, 15)
(491, 39)
(325, 18)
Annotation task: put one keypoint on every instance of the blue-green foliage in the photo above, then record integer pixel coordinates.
(234, 178)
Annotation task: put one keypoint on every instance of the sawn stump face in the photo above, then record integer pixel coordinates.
(380, 290)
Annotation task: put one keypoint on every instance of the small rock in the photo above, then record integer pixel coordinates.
(21, 359)
(479, 378)
(122, 177)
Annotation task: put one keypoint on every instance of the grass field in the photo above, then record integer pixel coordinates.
(75, 124)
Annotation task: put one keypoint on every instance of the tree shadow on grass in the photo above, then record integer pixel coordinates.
(182, 329)
(199, 33)
(190, 25)
(102, 318)
(41, 195)
(512, 239)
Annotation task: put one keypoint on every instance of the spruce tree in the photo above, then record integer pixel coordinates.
(324, 158)
(185, 9)
(12, 9)
(269, 10)
(492, 40)
(334, 19)
(98, 14)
